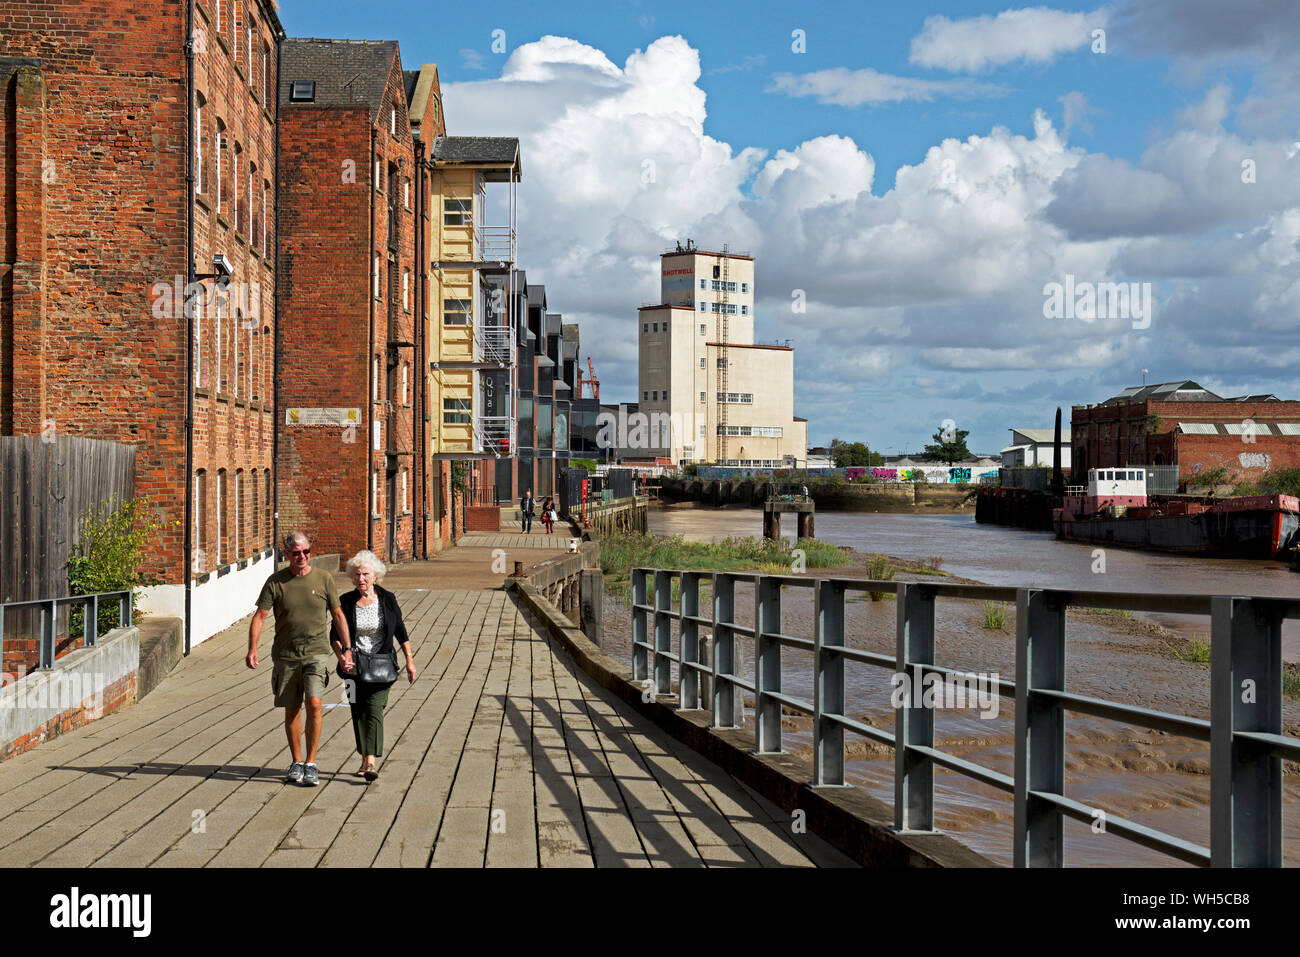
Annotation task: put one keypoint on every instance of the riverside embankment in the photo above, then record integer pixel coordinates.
(842, 496)
(1156, 779)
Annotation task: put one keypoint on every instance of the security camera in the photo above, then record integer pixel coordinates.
(222, 265)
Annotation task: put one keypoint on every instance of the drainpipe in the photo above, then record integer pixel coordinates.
(275, 347)
(187, 557)
(370, 359)
(417, 416)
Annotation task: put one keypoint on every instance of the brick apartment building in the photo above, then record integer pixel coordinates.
(1183, 424)
(134, 151)
(350, 299)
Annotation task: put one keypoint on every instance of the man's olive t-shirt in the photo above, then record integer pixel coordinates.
(302, 605)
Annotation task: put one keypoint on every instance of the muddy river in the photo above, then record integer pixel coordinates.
(1153, 778)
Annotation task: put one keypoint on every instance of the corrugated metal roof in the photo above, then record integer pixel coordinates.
(1040, 436)
(1197, 428)
(1184, 391)
(1287, 428)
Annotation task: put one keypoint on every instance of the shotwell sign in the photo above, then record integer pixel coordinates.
(322, 416)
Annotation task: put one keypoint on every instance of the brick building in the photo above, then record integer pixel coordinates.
(135, 153)
(1183, 424)
(349, 299)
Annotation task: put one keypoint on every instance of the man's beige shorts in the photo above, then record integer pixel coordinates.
(291, 681)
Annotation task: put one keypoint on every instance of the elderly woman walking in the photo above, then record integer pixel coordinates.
(375, 623)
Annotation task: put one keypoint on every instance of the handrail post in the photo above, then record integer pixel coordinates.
(1245, 695)
(724, 652)
(127, 608)
(49, 621)
(828, 683)
(1040, 727)
(913, 721)
(663, 665)
(767, 665)
(688, 679)
(640, 627)
(90, 619)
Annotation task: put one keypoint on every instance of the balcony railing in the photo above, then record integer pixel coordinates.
(494, 344)
(494, 434)
(496, 243)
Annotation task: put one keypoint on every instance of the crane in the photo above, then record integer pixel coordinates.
(592, 382)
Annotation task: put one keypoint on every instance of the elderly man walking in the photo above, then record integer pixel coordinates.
(305, 600)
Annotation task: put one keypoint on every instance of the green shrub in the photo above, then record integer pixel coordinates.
(1198, 649)
(879, 569)
(1211, 477)
(114, 541)
(995, 615)
(1283, 482)
(1247, 488)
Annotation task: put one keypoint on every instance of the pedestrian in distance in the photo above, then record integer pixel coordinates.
(553, 515)
(526, 508)
(546, 515)
(304, 600)
(374, 619)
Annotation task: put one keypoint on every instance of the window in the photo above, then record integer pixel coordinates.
(379, 175)
(744, 287)
(457, 212)
(701, 429)
(219, 4)
(239, 515)
(266, 74)
(253, 514)
(392, 120)
(744, 310)
(374, 379)
(252, 29)
(704, 284)
(220, 151)
(199, 105)
(251, 325)
(645, 396)
(736, 398)
(221, 525)
(375, 278)
(200, 370)
(701, 362)
(654, 395)
(234, 33)
(704, 307)
(456, 411)
(403, 484)
(254, 222)
(645, 327)
(722, 363)
(406, 193)
(654, 327)
(702, 328)
(456, 312)
(266, 208)
(702, 396)
(200, 521)
(219, 324)
(717, 271)
(303, 91)
(404, 372)
(234, 187)
(406, 289)
(266, 505)
(374, 494)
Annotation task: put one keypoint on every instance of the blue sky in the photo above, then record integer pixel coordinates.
(1024, 156)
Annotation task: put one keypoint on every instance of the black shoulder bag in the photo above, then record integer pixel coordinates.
(374, 668)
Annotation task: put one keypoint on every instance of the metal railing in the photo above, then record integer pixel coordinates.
(1245, 736)
(494, 344)
(495, 434)
(496, 243)
(49, 617)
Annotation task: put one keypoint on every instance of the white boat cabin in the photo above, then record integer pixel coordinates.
(1126, 486)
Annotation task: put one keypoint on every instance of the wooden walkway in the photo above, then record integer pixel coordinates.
(501, 754)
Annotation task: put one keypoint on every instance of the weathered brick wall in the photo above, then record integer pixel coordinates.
(116, 697)
(324, 314)
(94, 261)
(337, 334)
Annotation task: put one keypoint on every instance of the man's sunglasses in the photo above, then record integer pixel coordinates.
(301, 551)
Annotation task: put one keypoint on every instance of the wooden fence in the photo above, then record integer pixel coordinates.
(46, 486)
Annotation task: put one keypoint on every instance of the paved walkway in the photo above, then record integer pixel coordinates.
(501, 754)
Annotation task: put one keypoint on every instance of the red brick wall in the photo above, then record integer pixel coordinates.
(1104, 437)
(93, 212)
(482, 518)
(329, 349)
